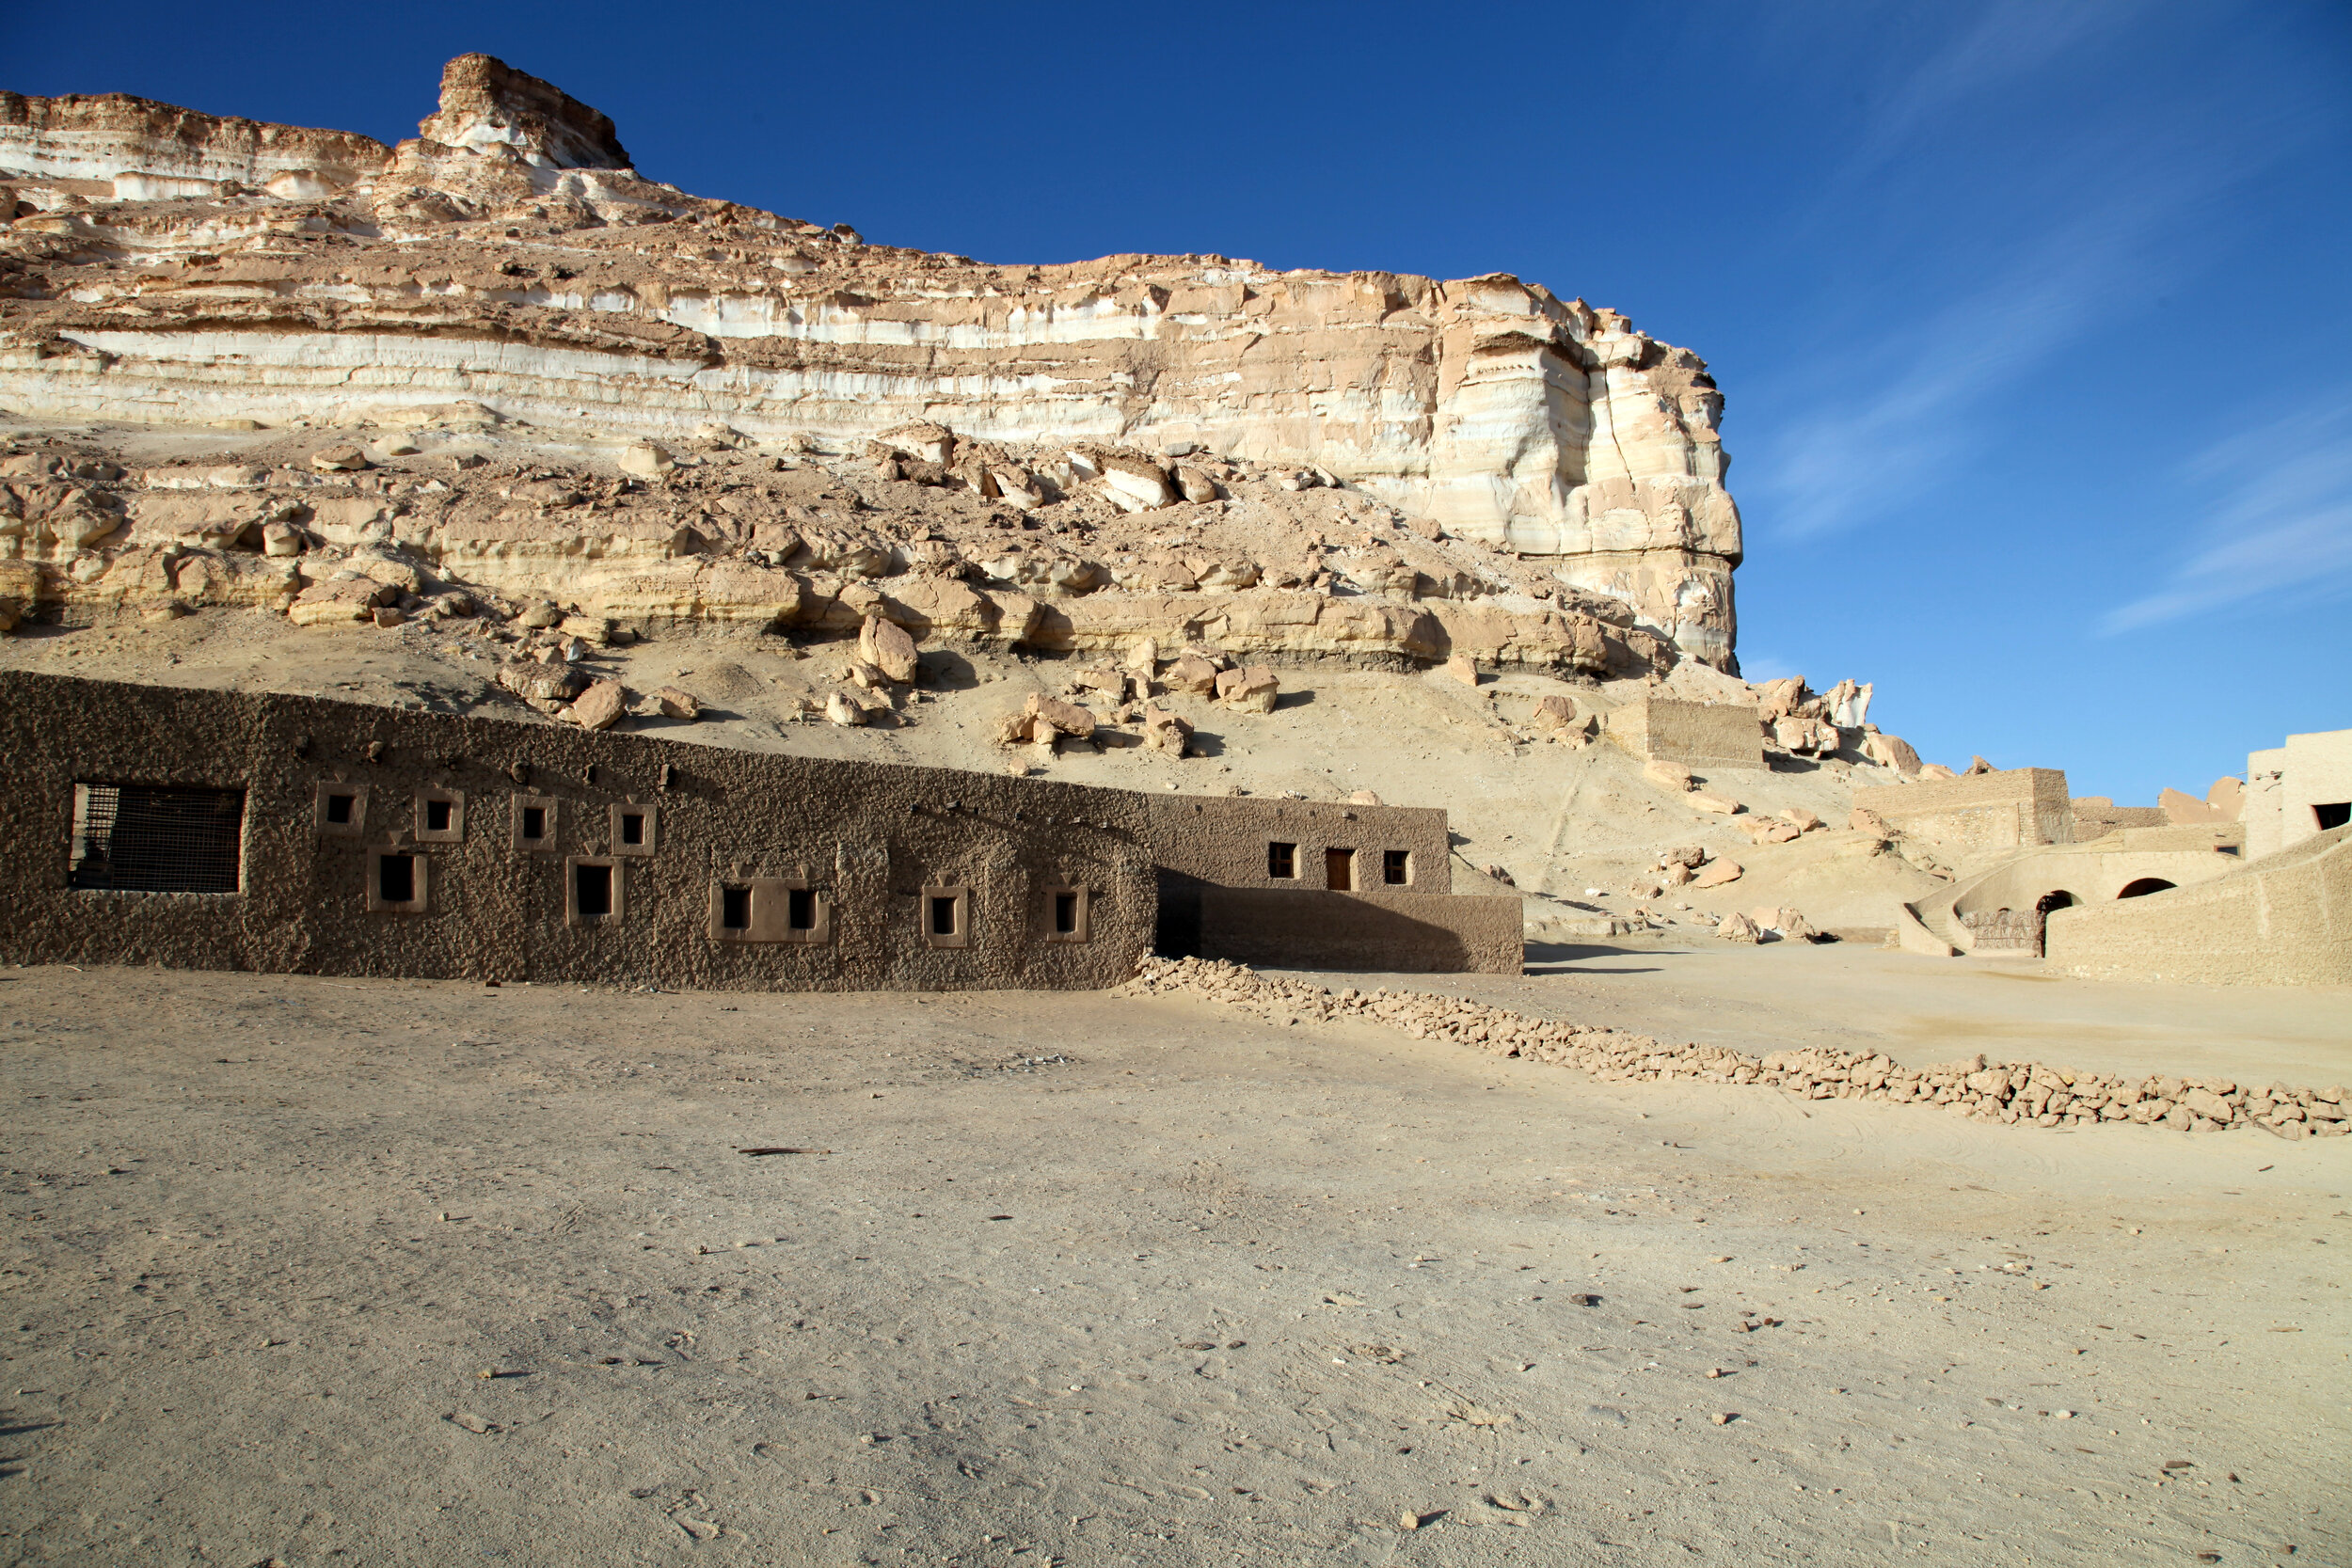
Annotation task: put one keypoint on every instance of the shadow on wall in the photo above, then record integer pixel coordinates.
(1399, 933)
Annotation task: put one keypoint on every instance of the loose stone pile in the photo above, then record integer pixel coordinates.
(2009, 1092)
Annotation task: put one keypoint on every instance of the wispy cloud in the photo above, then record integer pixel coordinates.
(1983, 287)
(2278, 531)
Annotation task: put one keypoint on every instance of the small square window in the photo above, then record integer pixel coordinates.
(535, 822)
(440, 816)
(946, 917)
(1282, 859)
(343, 809)
(633, 829)
(397, 883)
(1396, 866)
(592, 890)
(1069, 913)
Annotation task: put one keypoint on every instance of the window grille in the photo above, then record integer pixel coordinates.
(156, 838)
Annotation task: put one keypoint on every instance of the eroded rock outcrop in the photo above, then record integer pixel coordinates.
(507, 269)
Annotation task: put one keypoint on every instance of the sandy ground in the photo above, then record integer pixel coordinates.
(1095, 1280)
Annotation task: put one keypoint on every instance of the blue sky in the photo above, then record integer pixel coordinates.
(2031, 315)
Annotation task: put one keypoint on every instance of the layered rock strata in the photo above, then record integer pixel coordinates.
(171, 267)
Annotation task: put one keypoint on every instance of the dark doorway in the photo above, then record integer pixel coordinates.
(802, 914)
(592, 890)
(2048, 901)
(735, 909)
(2143, 887)
(1338, 871)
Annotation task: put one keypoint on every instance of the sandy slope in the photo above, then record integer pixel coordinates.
(1256, 1293)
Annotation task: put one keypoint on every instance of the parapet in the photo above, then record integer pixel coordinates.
(1980, 813)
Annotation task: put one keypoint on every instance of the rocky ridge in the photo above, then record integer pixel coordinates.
(681, 400)
(2016, 1093)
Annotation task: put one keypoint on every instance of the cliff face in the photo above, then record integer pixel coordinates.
(167, 267)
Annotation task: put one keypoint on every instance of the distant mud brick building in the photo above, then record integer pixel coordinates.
(1979, 814)
(216, 829)
(1695, 735)
(2296, 791)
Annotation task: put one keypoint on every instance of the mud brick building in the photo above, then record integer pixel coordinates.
(213, 830)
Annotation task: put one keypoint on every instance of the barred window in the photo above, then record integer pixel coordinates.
(156, 838)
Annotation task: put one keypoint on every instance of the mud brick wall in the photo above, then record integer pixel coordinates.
(1980, 813)
(1382, 933)
(871, 845)
(1695, 735)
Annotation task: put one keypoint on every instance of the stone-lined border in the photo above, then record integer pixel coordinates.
(2029, 1093)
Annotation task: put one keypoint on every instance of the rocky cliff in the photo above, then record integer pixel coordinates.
(559, 378)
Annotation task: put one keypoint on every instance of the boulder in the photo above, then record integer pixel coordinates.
(1863, 820)
(601, 705)
(1252, 689)
(1718, 875)
(1461, 668)
(1665, 775)
(280, 539)
(338, 460)
(840, 710)
(1739, 927)
(1889, 751)
(1066, 718)
(1554, 712)
(1192, 674)
(886, 645)
(1805, 820)
(1689, 855)
(1164, 732)
(541, 616)
(1722, 805)
(1363, 797)
(1013, 729)
(342, 602)
(677, 703)
(1196, 483)
(646, 460)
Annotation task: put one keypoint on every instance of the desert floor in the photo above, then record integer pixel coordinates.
(309, 1270)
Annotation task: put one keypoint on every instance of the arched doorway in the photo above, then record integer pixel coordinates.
(2143, 887)
(2060, 899)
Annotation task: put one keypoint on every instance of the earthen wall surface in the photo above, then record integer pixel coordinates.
(1697, 735)
(1379, 932)
(1980, 813)
(872, 842)
(2285, 921)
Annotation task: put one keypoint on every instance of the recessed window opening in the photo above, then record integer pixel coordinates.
(1396, 866)
(943, 915)
(339, 809)
(592, 890)
(535, 822)
(396, 878)
(1066, 914)
(2334, 814)
(1338, 871)
(1282, 859)
(632, 827)
(735, 909)
(437, 815)
(801, 910)
(2143, 887)
(144, 838)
